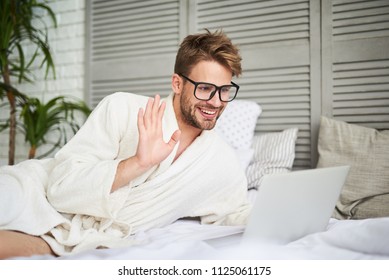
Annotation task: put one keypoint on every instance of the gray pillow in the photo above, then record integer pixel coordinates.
(366, 191)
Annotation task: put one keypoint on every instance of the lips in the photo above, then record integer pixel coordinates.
(208, 113)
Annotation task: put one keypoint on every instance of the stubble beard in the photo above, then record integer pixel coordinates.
(189, 115)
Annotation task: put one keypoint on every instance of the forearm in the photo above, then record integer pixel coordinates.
(127, 170)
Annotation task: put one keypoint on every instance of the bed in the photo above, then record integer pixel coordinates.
(358, 229)
(366, 239)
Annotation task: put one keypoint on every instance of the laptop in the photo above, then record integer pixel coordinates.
(292, 205)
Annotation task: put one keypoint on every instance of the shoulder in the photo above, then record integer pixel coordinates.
(124, 98)
(120, 103)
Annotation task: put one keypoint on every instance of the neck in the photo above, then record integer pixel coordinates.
(188, 132)
(186, 129)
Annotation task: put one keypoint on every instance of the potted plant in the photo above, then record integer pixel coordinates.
(20, 25)
(51, 119)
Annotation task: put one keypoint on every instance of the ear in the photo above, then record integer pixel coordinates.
(177, 84)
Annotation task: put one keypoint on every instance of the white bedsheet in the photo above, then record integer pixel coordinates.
(186, 240)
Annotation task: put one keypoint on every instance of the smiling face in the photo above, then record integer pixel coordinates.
(198, 114)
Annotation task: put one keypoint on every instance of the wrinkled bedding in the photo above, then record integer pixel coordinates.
(366, 239)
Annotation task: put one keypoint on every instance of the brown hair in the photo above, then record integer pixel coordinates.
(207, 47)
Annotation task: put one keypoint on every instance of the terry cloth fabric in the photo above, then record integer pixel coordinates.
(83, 171)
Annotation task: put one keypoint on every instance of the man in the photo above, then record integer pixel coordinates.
(137, 163)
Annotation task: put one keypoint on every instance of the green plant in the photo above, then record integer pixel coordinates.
(21, 23)
(52, 119)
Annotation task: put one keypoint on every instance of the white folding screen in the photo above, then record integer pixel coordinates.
(274, 38)
(356, 68)
(132, 46)
(301, 59)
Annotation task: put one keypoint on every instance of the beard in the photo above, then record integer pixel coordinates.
(188, 111)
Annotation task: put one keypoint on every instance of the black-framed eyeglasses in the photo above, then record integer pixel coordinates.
(206, 91)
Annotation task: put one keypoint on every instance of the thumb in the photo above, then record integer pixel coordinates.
(175, 138)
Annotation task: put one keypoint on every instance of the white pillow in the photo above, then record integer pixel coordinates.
(244, 156)
(273, 153)
(237, 123)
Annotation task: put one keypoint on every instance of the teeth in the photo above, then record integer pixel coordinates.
(209, 112)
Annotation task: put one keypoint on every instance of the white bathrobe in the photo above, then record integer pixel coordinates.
(80, 213)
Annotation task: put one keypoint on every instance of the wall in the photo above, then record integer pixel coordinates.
(67, 42)
(301, 58)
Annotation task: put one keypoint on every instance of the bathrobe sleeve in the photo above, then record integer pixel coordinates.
(85, 167)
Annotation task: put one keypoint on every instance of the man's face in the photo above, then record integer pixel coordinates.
(203, 114)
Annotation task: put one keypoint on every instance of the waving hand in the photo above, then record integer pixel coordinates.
(152, 149)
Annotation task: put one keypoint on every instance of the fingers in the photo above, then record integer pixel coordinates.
(151, 116)
(141, 124)
(154, 111)
(155, 108)
(152, 148)
(161, 110)
(147, 117)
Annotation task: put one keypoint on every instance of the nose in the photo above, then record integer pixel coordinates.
(215, 100)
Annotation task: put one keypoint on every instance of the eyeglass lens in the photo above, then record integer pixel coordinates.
(205, 91)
